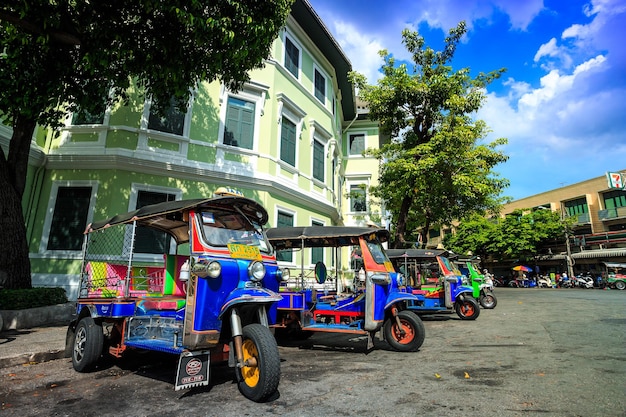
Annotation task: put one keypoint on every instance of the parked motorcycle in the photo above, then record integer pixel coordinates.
(544, 281)
(583, 281)
(564, 283)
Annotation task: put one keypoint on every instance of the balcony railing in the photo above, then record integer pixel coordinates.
(612, 213)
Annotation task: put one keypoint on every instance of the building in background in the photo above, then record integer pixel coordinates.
(291, 139)
(599, 232)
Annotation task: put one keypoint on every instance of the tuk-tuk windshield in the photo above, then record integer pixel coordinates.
(223, 227)
(377, 251)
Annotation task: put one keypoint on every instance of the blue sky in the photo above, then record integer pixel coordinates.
(562, 101)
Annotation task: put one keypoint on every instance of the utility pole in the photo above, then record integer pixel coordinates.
(568, 259)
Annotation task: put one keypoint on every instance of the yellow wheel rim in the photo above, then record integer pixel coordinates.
(250, 374)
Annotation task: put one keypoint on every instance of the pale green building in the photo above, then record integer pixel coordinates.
(291, 139)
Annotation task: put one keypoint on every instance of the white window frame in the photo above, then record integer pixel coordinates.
(326, 78)
(293, 40)
(251, 92)
(54, 191)
(290, 110)
(132, 205)
(288, 211)
(321, 223)
(323, 136)
(181, 140)
(356, 133)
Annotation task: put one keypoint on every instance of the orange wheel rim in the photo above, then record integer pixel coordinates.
(404, 333)
(250, 374)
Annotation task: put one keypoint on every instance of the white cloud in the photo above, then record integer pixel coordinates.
(363, 46)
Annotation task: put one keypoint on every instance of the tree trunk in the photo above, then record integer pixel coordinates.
(14, 260)
(400, 241)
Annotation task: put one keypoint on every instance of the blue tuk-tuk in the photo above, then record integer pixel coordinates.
(206, 298)
(372, 301)
(448, 294)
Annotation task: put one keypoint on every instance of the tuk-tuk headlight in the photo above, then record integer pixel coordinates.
(282, 274)
(256, 271)
(214, 269)
(400, 280)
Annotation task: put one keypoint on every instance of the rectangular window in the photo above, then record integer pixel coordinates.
(239, 124)
(284, 220)
(83, 117)
(317, 254)
(357, 144)
(149, 240)
(576, 207)
(292, 57)
(320, 87)
(171, 121)
(318, 161)
(613, 200)
(69, 219)
(357, 198)
(288, 142)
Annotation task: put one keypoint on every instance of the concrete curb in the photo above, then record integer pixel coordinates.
(31, 358)
(58, 314)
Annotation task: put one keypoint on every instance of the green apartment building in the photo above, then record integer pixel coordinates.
(291, 139)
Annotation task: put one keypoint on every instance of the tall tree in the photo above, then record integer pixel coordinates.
(434, 170)
(62, 56)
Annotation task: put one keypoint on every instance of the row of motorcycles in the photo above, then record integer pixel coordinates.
(579, 281)
(543, 281)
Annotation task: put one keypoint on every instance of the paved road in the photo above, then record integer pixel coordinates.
(541, 352)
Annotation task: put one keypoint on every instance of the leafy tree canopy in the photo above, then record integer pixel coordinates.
(519, 235)
(435, 169)
(60, 56)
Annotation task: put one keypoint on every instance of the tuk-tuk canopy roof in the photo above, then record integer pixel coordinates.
(168, 216)
(320, 236)
(415, 253)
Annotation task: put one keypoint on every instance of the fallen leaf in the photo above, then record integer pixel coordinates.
(466, 375)
(437, 376)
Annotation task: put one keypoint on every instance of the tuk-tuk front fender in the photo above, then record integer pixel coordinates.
(463, 291)
(395, 297)
(249, 296)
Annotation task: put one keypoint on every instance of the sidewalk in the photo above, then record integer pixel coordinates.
(40, 344)
(34, 335)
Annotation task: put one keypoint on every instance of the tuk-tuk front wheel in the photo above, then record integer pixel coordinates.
(259, 374)
(488, 300)
(87, 346)
(467, 308)
(409, 335)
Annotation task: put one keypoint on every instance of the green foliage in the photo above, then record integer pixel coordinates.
(435, 169)
(65, 56)
(518, 235)
(31, 298)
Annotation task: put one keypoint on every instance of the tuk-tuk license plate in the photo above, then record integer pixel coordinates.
(240, 251)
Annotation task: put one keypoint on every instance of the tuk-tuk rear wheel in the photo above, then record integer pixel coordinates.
(620, 285)
(467, 308)
(259, 376)
(409, 336)
(87, 346)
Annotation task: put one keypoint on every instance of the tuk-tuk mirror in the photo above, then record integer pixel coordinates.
(320, 272)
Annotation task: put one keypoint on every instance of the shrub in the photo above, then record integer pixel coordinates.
(30, 298)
